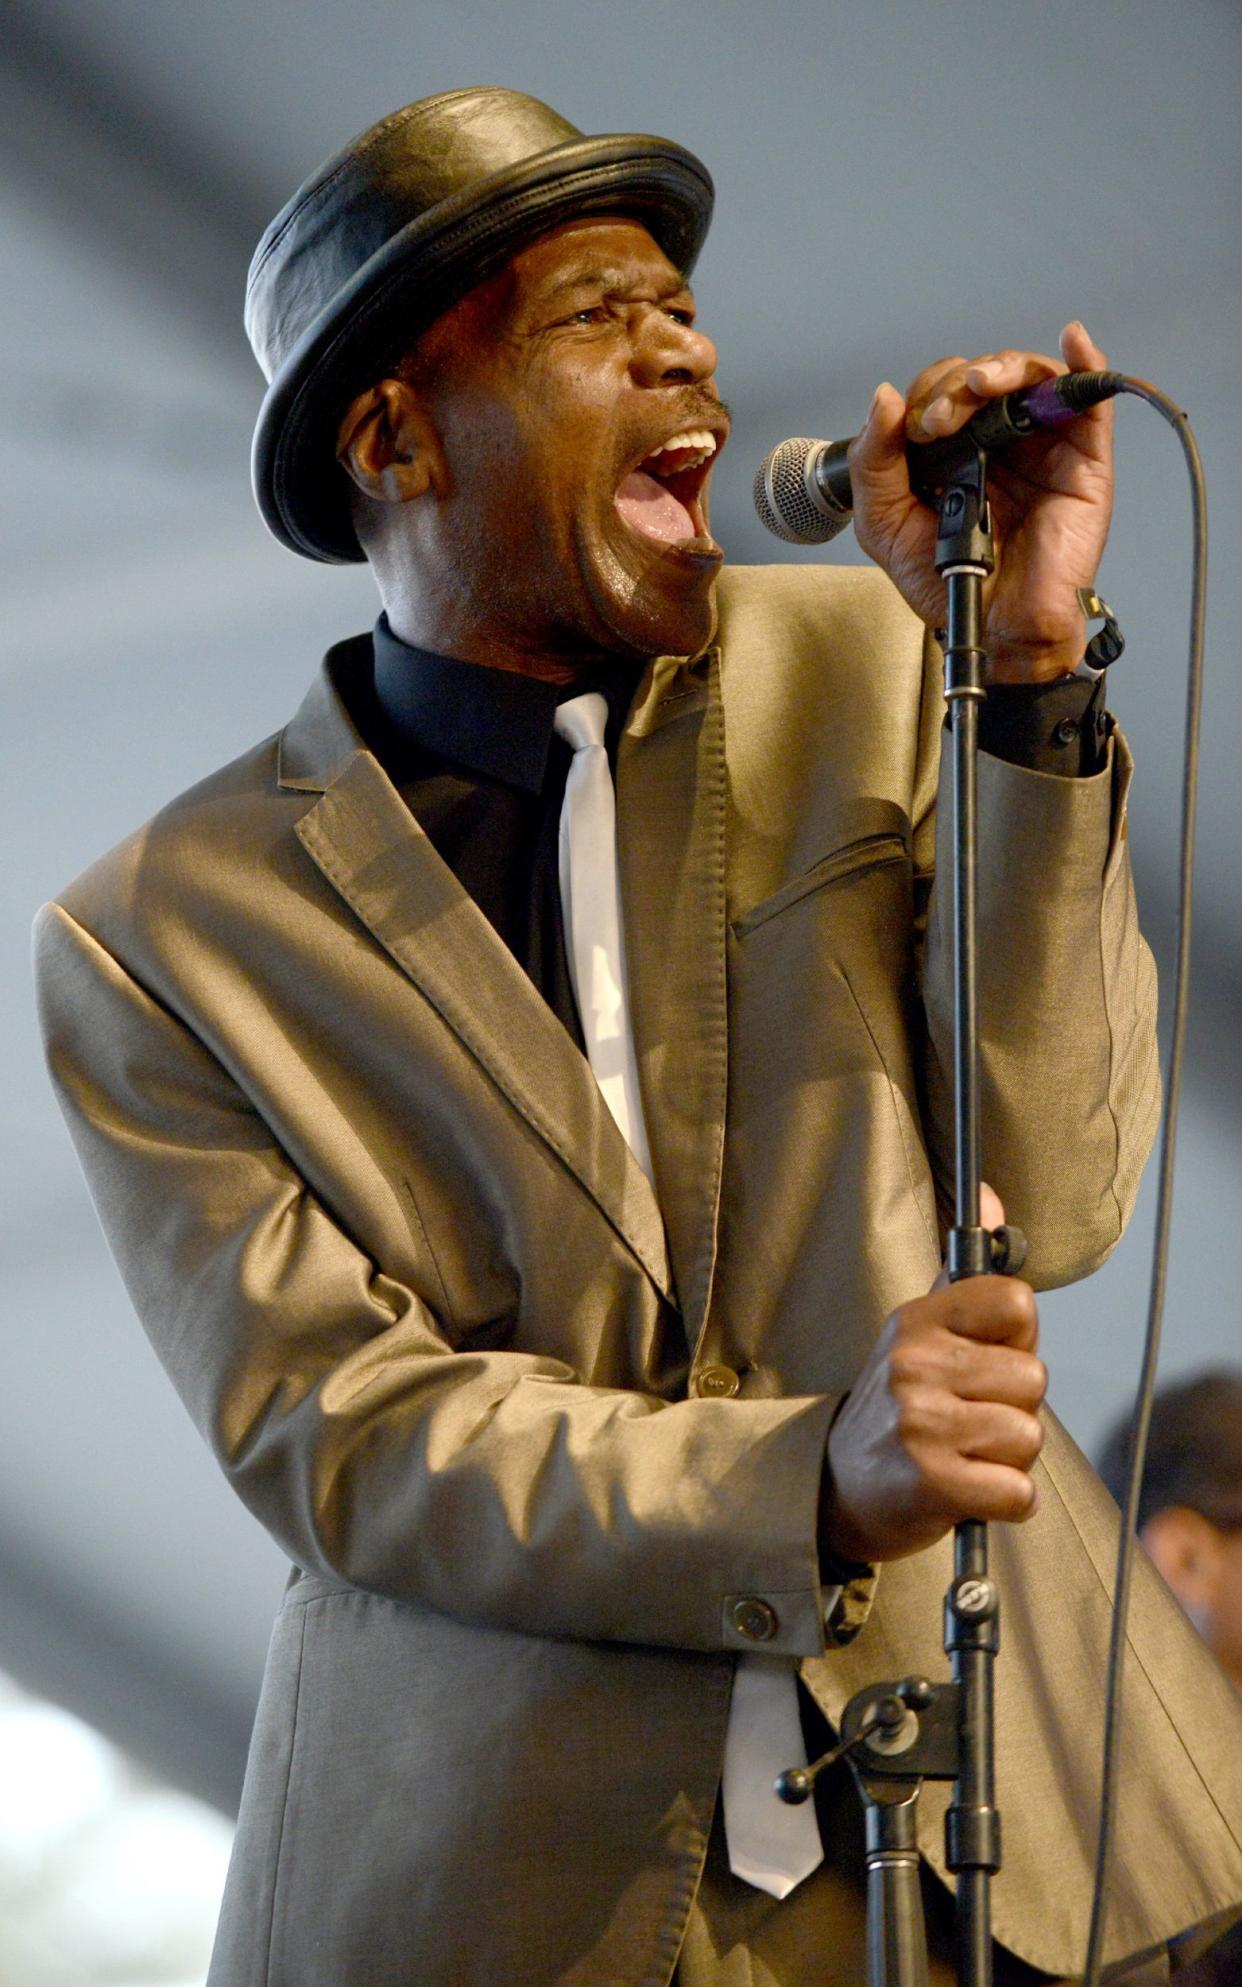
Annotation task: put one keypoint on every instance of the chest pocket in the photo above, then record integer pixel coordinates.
(871, 851)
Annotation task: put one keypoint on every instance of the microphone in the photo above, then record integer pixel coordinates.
(802, 489)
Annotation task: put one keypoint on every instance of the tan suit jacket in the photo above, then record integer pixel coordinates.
(448, 1344)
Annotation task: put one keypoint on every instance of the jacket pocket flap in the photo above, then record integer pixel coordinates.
(877, 831)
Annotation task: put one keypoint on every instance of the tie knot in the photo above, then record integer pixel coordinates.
(582, 720)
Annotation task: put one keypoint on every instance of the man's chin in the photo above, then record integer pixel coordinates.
(687, 632)
(668, 605)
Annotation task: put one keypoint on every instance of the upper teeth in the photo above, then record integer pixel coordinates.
(700, 439)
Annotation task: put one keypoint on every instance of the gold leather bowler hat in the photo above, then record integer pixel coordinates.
(393, 229)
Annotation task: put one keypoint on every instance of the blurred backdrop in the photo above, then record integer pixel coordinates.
(895, 181)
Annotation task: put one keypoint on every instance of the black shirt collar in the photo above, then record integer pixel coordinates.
(490, 721)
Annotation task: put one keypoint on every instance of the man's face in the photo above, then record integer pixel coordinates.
(1202, 1563)
(569, 525)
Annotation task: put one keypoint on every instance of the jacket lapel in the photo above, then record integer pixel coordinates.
(671, 835)
(368, 846)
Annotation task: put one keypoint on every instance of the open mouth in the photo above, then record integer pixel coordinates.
(662, 498)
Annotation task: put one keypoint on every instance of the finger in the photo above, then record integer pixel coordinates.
(972, 1370)
(1079, 350)
(999, 1310)
(936, 378)
(995, 1493)
(1092, 432)
(961, 393)
(935, 1419)
(877, 455)
(1004, 1373)
(974, 1487)
(1003, 372)
(992, 1433)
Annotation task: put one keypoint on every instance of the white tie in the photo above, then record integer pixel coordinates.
(591, 904)
(770, 1845)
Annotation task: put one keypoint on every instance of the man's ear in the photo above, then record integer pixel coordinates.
(1187, 1550)
(389, 446)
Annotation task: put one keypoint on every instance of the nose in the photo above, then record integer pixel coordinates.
(667, 353)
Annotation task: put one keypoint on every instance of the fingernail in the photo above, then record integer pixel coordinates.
(984, 374)
(939, 414)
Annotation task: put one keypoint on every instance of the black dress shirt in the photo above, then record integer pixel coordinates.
(474, 755)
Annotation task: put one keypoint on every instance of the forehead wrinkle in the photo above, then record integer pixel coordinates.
(616, 281)
(588, 279)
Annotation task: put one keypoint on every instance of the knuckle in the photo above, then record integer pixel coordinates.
(900, 1378)
(962, 1355)
(935, 376)
(1016, 1500)
(973, 1304)
(920, 1420)
(1030, 1439)
(1018, 1305)
(1020, 1295)
(910, 1423)
(911, 1413)
(905, 1366)
(910, 1322)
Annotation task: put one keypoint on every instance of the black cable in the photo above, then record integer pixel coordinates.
(1160, 1250)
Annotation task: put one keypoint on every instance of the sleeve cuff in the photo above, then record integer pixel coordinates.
(1058, 727)
(848, 1584)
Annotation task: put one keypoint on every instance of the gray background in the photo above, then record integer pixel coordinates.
(895, 182)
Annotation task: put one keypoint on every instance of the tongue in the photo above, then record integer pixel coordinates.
(649, 507)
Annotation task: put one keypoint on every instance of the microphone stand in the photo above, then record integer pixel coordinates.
(895, 1735)
(964, 557)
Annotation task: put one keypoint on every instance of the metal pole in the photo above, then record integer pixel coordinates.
(896, 1938)
(972, 1825)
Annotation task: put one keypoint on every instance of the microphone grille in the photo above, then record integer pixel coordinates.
(789, 501)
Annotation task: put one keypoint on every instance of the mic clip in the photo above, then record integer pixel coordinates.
(964, 525)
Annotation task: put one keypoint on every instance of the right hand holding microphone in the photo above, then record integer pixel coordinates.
(942, 1423)
(1050, 499)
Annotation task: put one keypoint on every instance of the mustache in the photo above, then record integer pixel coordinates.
(708, 405)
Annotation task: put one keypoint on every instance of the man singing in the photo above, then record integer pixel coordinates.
(517, 1099)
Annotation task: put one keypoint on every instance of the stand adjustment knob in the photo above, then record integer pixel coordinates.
(1008, 1250)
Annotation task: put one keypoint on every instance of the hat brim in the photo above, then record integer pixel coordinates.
(300, 488)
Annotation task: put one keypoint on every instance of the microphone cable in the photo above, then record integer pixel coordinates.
(1141, 1422)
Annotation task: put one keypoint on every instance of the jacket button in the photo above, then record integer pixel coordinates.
(719, 1382)
(754, 1619)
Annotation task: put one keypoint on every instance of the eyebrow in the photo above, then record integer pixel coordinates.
(606, 280)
